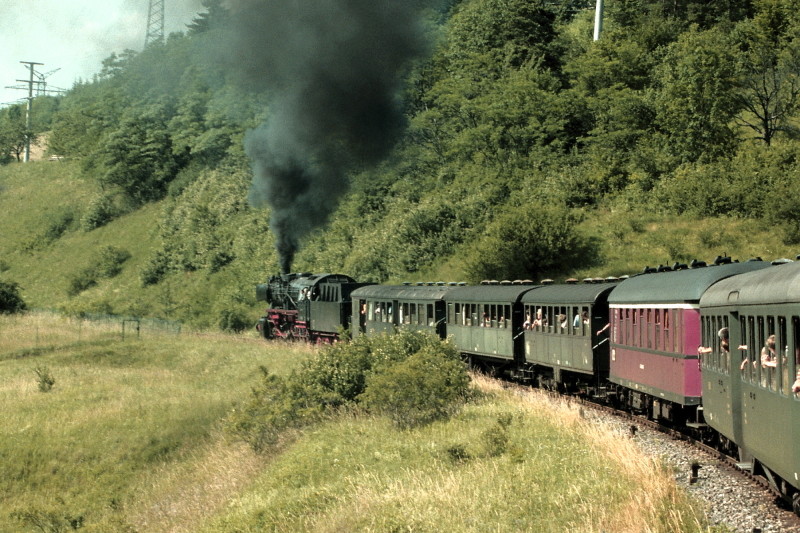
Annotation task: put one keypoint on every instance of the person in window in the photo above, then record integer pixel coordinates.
(583, 317)
(768, 358)
(527, 324)
(539, 321)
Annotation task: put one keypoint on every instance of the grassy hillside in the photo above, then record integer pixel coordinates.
(129, 439)
(46, 250)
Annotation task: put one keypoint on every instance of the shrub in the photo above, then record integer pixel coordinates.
(44, 378)
(82, 280)
(274, 407)
(156, 269)
(109, 261)
(412, 377)
(235, 318)
(10, 299)
(530, 241)
(100, 211)
(427, 386)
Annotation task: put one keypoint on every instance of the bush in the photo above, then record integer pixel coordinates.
(82, 280)
(109, 261)
(44, 378)
(100, 211)
(427, 386)
(235, 319)
(530, 241)
(156, 269)
(10, 299)
(412, 377)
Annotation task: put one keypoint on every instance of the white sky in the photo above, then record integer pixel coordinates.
(74, 36)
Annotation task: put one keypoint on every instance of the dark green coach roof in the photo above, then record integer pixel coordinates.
(488, 293)
(402, 292)
(776, 285)
(677, 286)
(567, 293)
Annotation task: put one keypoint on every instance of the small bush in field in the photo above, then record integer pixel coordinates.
(44, 378)
(10, 299)
(109, 261)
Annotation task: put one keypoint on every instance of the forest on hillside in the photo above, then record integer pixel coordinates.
(505, 127)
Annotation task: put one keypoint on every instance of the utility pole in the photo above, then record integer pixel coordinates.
(155, 23)
(598, 20)
(41, 89)
(28, 108)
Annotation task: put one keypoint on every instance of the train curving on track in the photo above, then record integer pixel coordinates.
(713, 349)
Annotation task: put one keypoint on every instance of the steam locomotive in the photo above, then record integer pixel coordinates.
(679, 344)
(307, 307)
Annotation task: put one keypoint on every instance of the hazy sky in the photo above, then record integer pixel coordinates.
(74, 36)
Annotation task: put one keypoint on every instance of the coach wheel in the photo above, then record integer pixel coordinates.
(796, 503)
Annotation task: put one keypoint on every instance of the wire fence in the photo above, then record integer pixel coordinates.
(23, 334)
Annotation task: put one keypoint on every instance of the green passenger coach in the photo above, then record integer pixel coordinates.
(748, 381)
(486, 320)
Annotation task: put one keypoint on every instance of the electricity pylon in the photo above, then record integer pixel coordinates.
(155, 23)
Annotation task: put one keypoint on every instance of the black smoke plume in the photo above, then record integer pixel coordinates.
(332, 70)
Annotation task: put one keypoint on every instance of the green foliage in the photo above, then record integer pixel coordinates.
(529, 242)
(100, 211)
(697, 100)
(10, 299)
(412, 377)
(56, 225)
(44, 378)
(427, 386)
(106, 263)
(496, 439)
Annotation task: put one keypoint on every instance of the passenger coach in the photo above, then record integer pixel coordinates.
(655, 334)
(748, 398)
(382, 308)
(486, 321)
(562, 349)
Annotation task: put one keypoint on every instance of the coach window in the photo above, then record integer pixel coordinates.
(668, 346)
(768, 371)
(725, 353)
(627, 328)
(794, 348)
(782, 352)
(748, 338)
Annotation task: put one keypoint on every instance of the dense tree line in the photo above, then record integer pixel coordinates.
(517, 123)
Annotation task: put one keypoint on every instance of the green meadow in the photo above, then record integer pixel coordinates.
(130, 437)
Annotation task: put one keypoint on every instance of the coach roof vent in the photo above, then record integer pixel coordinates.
(505, 282)
(664, 268)
(611, 279)
(571, 281)
(754, 259)
(547, 281)
(527, 282)
(679, 266)
(782, 261)
(649, 270)
(697, 264)
(406, 283)
(722, 260)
